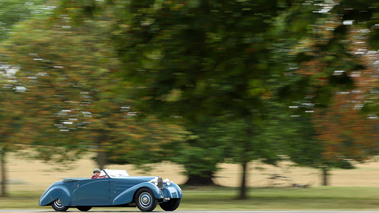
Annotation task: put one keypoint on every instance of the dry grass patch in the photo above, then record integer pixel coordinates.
(32, 175)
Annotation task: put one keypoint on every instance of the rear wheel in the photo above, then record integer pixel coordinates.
(170, 205)
(84, 208)
(57, 206)
(145, 200)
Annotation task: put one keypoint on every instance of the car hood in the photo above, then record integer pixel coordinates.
(136, 178)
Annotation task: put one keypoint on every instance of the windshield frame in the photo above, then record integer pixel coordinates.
(115, 173)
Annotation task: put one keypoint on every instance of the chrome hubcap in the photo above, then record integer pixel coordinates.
(58, 203)
(145, 199)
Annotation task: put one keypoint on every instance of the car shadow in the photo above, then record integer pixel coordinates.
(100, 210)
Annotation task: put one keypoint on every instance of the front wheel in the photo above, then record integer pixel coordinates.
(170, 205)
(145, 200)
(57, 206)
(84, 208)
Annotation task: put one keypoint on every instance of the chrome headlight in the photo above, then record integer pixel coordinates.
(154, 181)
(166, 181)
(157, 181)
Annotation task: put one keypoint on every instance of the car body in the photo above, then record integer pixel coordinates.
(118, 189)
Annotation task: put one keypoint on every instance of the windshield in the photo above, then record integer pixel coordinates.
(115, 173)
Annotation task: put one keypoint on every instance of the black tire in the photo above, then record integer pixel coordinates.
(57, 206)
(84, 208)
(145, 200)
(170, 205)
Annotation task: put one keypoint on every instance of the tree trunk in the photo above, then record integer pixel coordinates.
(243, 188)
(197, 180)
(3, 174)
(101, 159)
(325, 178)
(245, 159)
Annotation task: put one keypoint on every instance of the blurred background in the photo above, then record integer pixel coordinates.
(235, 93)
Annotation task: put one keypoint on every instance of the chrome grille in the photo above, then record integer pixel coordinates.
(160, 183)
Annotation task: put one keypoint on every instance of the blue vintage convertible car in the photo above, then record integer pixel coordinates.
(119, 189)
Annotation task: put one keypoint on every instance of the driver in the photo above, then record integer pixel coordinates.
(96, 174)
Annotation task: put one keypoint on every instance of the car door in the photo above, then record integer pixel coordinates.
(93, 192)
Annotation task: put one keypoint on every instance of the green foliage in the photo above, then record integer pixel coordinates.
(14, 11)
(303, 148)
(219, 68)
(77, 100)
(374, 38)
(199, 61)
(222, 66)
(131, 143)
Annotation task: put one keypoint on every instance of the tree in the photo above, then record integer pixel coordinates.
(261, 139)
(10, 116)
(69, 75)
(202, 59)
(340, 134)
(11, 12)
(197, 64)
(346, 134)
(53, 95)
(14, 11)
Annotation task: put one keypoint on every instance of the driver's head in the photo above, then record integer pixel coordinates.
(96, 171)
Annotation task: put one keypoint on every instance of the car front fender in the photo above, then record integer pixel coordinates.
(53, 193)
(127, 195)
(173, 191)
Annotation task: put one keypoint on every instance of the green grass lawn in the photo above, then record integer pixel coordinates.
(224, 198)
(327, 198)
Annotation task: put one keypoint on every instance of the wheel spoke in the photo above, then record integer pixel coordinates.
(58, 206)
(145, 200)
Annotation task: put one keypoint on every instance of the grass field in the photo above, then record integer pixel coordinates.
(349, 190)
(223, 198)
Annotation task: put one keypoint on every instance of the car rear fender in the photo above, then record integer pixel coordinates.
(53, 193)
(128, 195)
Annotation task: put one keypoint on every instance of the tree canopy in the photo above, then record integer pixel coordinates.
(232, 60)
(211, 81)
